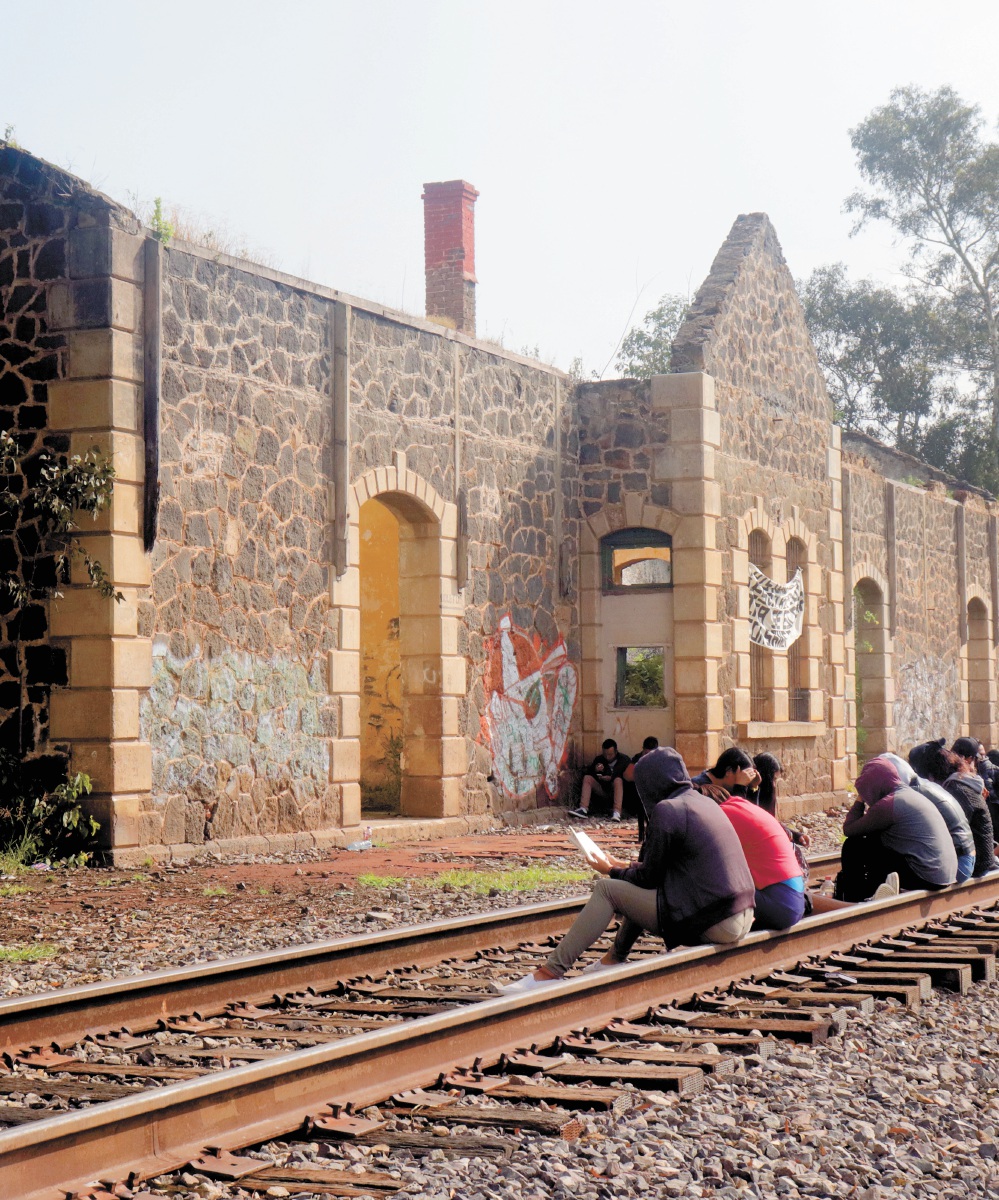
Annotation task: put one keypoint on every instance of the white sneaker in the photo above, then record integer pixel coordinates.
(527, 984)
(615, 816)
(582, 813)
(599, 965)
(889, 888)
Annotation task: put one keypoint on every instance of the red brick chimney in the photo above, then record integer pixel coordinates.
(449, 246)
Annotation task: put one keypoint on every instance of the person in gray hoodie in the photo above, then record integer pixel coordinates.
(947, 807)
(933, 761)
(691, 884)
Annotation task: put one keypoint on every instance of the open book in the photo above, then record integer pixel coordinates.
(588, 846)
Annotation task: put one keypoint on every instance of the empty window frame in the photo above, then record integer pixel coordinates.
(760, 658)
(797, 668)
(640, 677)
(636, 560)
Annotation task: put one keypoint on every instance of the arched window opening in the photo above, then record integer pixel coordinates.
(759, 656)
(797, 676)
(636, 560)
(980, 673)
(870, 623)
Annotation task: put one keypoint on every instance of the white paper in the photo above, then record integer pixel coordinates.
(588, 846)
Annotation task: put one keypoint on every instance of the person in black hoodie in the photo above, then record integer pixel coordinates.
(959, 778)
(691, 884)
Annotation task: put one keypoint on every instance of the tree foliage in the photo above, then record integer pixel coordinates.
(39, 500)
(646, 350)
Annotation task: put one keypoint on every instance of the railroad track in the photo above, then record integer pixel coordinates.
(412, 1026)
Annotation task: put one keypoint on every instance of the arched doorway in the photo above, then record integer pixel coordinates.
(873, 679)
(760, 657)
(401, 723)
(981, 672)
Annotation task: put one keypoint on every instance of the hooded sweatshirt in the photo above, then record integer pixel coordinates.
(967, 791)
(942, 801)
(907, 823)
(691, 855)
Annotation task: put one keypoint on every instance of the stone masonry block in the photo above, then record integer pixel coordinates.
(696, 496)
(454, 756)
(348, 629)
(686, 462)
(600, 525)
(117, 662)
(698, 714)
(453, 682)
(105, 354)
(421, 636)
(125, 450)
(740, 568)
(695, 677)
(449, 521)
(838, 780)
(696, 532)
(123, 514)
(350, 804)
(741, 704)
(696, 426)
(96, 251)
(452, 796)
(422, 796)
(834, 463)
(95, 304)
(693, 603)
(699, 749)
(115, 766)
(345, 592)
(743, 669)
(834, 587)
(97, 715)
(95, 404)
(686, 389)
(344, 672)
(345, 760)
(697, 566)
(121, 555)
(84, 611)
(740, 636)
(697, 639)
(350, 716)
(837, 712)
(634, 505)
(589, 606)
(591, 641)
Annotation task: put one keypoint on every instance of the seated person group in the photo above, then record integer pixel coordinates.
(715, 861)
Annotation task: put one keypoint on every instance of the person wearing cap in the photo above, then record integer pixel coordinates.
(892, 831)
(691, 883)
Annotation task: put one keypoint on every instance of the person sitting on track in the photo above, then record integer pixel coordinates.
(932, 761)
(765, 795)
(780, 886)
(894, 837)
(691, 883)
(947, 807)
(734, 771)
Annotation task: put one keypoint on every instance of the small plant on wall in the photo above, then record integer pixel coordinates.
(41, 496)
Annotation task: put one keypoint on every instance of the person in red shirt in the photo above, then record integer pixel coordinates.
(780, 888)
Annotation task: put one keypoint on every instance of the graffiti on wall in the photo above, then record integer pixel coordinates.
(532, 693)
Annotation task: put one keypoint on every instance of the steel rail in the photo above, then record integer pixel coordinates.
(69, 1014)
(161, 1129)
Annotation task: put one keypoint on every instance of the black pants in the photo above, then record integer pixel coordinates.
(866, 863)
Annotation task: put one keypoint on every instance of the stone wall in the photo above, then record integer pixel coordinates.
(35, 221)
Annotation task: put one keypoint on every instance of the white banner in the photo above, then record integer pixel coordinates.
(776, 610)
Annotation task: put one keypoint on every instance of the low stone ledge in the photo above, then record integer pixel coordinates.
(779, 730)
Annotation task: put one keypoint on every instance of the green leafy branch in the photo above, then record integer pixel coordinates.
(61, 489)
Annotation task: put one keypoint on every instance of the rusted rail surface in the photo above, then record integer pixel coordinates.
(70, 1014)
(163, 1128)
(139, 1001)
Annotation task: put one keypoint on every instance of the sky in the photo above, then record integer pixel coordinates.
(612, 146)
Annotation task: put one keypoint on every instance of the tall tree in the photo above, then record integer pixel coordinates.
(934, 178)
(646, 350)
(883, 355)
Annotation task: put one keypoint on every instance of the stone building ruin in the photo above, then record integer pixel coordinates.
(376, 569)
